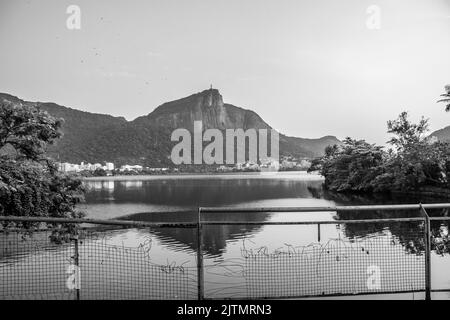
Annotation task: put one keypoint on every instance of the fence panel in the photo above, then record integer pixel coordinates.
(341, 263)
(112, 270)
(33, 267)
(440, 256)
(136, 260)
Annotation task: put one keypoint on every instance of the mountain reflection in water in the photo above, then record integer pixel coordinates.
(176, 199)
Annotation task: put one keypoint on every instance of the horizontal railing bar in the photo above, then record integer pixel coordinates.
(322, 209)
(192, 225)
(440, 290)
(99, 221)
(440, 218)
(244, 210)
(320, 295)
(309, 222)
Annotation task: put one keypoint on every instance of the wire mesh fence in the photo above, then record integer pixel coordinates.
(379, 263)
(90, 266)
(440, 253)
(382, 262)
(33, 267)
(129, 263)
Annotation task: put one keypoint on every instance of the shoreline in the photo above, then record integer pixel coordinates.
(254, 175)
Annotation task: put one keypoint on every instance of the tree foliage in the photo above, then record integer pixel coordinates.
(99, 172)
(350, 166)
(30, 184)
(406, 134)
(413, 162)
(446, 98)
(27, 129)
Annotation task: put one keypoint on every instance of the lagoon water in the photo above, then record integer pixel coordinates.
(245, 260)
(176, 198)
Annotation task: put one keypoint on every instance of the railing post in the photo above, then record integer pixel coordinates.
(200, 282)
(77, 268)
(318, 232)
(427, 253)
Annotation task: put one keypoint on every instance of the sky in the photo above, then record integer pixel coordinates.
(308, 68)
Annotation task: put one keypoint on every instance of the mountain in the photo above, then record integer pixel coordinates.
(146, 140)
(442, 134)
(206, 106)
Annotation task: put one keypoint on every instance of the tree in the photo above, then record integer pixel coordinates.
(446, 97)
(406, 134)
(419, 161)
(414, 163)
(27, 129)
(99, 172)
(30, 184)
(350, 166)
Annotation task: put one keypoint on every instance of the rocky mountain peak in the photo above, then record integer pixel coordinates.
(210, 98)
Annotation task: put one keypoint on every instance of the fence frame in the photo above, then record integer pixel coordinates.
(198, 225)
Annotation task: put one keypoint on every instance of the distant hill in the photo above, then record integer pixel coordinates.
(146, 140)
(442, 134)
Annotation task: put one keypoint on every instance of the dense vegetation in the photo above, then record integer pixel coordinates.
(413, 162)
(446, 98)
(30, 184)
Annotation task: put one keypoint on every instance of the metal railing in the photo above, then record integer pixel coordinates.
(94, 264)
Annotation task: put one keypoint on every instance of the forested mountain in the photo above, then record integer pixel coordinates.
(146, 140)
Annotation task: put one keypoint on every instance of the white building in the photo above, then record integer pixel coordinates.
(131, 168)
(70, 167)
(109, 166)
(96, 166)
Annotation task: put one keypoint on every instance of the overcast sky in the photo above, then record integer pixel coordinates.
(309, 68)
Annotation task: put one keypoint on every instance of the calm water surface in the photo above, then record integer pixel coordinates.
(256, 260)
(176, 198)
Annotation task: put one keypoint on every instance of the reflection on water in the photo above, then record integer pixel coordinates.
(160, 199)
(176, 199)
(169, 200)
(194, 192)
